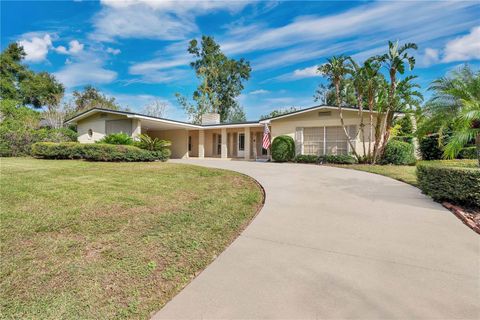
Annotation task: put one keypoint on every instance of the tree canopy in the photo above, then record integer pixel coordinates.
(90, 98)
(221, 82)
(20, 83)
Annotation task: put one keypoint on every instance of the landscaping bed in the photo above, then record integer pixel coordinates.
(108, 240)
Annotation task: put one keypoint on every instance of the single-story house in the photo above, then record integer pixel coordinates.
(316, 130)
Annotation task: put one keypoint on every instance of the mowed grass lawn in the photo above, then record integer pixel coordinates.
(111, 240)
(406, 174)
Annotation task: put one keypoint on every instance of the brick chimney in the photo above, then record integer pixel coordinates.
(210, 118)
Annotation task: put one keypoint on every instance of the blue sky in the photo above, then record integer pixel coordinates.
(135, 50)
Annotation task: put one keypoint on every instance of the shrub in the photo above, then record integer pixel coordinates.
(52, 150)
(430, 149)
(457, 184)
(468, 153)
(96, 152)
(20, 128)
(153, 144)
(283, 149)
(399, 153)
(117, 138)
(111, 153)
(306, 158)
(337, 159)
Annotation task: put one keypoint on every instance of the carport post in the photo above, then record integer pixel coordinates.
(201, 143)
(224, 152)
(247, 143)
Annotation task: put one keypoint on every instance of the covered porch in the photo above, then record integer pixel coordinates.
(228, 142)
(224, 141)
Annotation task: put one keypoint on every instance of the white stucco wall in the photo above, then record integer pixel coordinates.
(179, 139)
(98, 126)
(288, 125)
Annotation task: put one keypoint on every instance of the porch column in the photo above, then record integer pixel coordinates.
(224, 153)
(247, 143)
(201, 143)
(230, 144)
(137, 128)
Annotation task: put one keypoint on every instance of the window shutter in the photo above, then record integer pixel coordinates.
(299, 141)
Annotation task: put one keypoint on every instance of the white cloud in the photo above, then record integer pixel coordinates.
(84, 73)
(167, 20)
(463, 48)
(36, 47)
(309, 72)
(430, 56)
(259, 91)
(113, 51)
(74, 47)
(364, 28)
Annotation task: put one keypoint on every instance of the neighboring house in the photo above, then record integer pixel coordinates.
(316, 130)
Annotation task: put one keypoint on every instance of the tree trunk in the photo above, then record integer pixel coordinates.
(378, 136)
(339, 106)
(390, 110)
(370, 133)
(362, 125)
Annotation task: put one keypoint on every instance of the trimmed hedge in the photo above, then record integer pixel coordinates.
(468, 153)
(96, 152)
(306, 158)
(283, 148)
(456, 184)
(329, 158)
(399, 153)
(337, 159)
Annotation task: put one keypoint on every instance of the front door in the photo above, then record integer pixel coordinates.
(241, 144)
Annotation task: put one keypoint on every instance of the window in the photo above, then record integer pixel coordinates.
(313, 141)
(189, 143)
(219, 144)
(90, 133)
(241, 141)
(326, 140)
(117, 126)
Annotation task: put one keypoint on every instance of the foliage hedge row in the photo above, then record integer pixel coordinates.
(283, 149)
(468, 153)
(447, 183)
(329, 158)
(96, 152)
(398, 153)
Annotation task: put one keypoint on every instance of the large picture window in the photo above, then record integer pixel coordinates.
(326, 140)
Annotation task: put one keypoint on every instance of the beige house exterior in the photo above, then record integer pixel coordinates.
(316, 130)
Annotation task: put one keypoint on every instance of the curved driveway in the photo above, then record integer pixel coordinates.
(337, 243)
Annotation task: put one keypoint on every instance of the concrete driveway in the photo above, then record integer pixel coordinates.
(336, 243)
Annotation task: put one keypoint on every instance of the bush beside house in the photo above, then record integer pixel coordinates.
(398, 153)
(96, 152)
(283, 149)
(448, 183)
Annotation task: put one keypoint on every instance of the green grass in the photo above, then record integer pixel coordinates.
(406, 173)
(83, 240)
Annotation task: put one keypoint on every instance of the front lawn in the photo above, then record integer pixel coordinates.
(111, 240)
(405, 173)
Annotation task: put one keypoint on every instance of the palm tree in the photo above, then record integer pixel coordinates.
(395, 60)
(455, 105)
(358, 79)
(335, 69)
(372, 86)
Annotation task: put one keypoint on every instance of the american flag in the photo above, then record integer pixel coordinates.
(266, 137)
